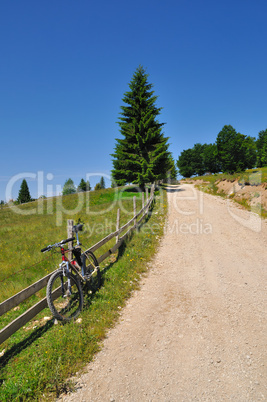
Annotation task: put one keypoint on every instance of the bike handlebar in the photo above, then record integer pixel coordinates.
(48, 248)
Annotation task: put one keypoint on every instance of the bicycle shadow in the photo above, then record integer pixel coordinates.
(19, 347)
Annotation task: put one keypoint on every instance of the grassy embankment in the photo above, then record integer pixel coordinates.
(250, 192)
(40, 357)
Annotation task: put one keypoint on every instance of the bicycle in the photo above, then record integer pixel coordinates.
(64, 289)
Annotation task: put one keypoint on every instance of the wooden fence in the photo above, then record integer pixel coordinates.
(15, 300)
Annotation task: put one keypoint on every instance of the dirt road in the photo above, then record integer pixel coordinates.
(196, 330)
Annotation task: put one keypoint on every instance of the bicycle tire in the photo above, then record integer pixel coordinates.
(92, 270)
(63, 305)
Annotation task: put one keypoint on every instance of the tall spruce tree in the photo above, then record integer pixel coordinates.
(142, 155)
(102, 183)
(83, 186)
(172, 172)
(24, 193)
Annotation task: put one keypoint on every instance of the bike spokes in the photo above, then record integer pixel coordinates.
(64, 296)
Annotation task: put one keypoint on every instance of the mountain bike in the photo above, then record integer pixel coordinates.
(64, 291)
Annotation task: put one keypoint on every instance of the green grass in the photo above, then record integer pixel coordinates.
(40, 358)
(250, 176)
(23, 236)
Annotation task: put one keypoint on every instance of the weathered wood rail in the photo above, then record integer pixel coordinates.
(20, 297)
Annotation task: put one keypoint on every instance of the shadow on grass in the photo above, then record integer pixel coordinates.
(174, 190)
(171, 188)
(19, 347)
(132, 190)
(136, 189)
(123, 246)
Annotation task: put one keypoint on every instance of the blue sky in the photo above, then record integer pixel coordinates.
(66, 64)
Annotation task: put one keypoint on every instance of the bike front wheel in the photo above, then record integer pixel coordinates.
(64, 296)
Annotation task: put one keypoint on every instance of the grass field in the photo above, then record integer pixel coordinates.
(23, 235)
(251, 176)
(39, 358)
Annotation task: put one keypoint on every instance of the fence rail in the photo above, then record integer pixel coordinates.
(15, 300)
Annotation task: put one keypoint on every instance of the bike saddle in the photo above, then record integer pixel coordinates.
(78, 228)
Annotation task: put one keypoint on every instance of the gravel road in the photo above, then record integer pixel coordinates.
(196, 330)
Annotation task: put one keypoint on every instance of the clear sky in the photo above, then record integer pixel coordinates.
(65, 65)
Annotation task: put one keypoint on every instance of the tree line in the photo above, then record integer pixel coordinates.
(68, 188)
(231, 152)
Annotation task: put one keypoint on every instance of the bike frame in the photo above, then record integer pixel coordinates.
(79, 265)
(66, 265)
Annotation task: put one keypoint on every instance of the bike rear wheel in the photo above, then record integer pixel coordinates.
(64, 296)
(92, 270)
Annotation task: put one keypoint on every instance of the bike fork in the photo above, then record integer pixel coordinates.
(66, 272)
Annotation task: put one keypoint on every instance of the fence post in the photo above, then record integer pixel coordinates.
(70, 234)
(118, 224)
(134, 207)
(146, 194)
(143, 204)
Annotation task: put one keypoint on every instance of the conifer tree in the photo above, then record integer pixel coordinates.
(102, 183)
(24, 193)
(83, 186)
(172, 172)
(88, 187)
(142, 155)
